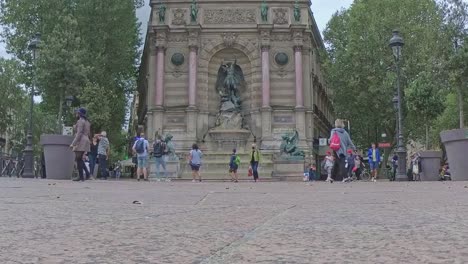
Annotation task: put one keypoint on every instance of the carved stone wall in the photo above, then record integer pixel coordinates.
(230, 16)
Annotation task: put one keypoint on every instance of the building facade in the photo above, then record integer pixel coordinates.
(274, 44)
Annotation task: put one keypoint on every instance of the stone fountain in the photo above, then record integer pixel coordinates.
(229, 131)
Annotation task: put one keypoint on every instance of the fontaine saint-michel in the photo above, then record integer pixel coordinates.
(226, 74)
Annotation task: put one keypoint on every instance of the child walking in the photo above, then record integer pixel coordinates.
(234, 163)
(329, 162)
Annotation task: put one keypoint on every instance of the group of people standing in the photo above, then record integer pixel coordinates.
(95, 150)
(344, 161)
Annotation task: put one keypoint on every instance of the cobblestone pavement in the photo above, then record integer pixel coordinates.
(45, 221)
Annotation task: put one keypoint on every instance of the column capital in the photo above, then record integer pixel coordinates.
(265, 34)
(193, 32)
(297, 48)
(265, 48)
(160, 33)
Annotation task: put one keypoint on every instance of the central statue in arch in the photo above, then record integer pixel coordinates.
(229, 85)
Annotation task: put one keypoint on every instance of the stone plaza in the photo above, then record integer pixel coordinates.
(46, 221)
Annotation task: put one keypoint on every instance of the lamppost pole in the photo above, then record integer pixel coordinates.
(396, 43)
(28, 152)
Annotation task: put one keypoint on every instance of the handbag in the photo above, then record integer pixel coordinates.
(250, 173)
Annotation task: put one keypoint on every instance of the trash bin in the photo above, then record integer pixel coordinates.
(430, 165)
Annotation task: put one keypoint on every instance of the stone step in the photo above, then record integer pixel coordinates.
(225, 176)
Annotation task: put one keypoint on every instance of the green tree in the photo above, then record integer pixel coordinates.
(424, 97)
(456, 27)
(11, 92)
(89, 50)
(360, 66)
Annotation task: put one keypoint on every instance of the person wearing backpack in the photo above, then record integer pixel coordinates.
(195, 160)
(159, 150)
(340, 142)
(234, 163)
(140, 147)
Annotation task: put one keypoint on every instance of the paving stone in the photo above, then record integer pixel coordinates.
(266, 222)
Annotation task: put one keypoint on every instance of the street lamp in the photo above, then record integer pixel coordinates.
(28, 152)
(69, 100)
(396, 43)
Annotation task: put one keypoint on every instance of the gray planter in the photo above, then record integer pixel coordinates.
(430, 165)
(456, 146)
(59, 158)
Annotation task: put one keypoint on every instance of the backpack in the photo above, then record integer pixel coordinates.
(159, 149)
(237, 160)
(335, 142)
(140, 146)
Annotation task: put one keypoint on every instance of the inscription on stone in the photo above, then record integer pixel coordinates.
(175, 119)
(283, 119)
(230, 16)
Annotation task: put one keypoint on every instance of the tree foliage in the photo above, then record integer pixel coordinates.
(89, 49)
(360, 65)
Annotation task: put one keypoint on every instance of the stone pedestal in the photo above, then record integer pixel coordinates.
(288, 169)
(456, 144)
(172, 169)
(430, 165)
(226, 140)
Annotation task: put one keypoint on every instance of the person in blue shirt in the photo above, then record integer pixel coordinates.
(374, 161)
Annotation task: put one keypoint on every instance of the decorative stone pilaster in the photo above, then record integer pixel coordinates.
(161, 44)
(160, 32)
(297, 36)
(193, 31)
(265, 30)
(151, 73)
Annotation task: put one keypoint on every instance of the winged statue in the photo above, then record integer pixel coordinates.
(230, 82)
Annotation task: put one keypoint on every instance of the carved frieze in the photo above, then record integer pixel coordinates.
(281, 37)
(280, 16)
(230, 16)
(178, 16)
(177, 38)
(229, 39)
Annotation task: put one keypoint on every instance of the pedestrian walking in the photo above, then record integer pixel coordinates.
(328, 164)
(103, 154)
(416, 167)
(81, 144)
(374, 161)
(254, 161)
(159, 152)
(140, 147)
(234, 163)
(350, 163)
(195, 161)
(92, 155)
(340, 142)
(394, 166)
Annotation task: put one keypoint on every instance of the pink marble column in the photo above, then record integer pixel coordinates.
(192, 77)
(299, 77)
(265, 76)
(159, 100)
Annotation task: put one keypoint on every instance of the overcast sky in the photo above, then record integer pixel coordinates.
(322, 9)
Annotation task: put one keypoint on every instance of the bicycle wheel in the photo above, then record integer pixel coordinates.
(365, 176)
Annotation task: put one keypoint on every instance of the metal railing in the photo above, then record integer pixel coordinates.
(11, 167)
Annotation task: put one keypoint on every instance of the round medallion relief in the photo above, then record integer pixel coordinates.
(281, 58)
(177, 59)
